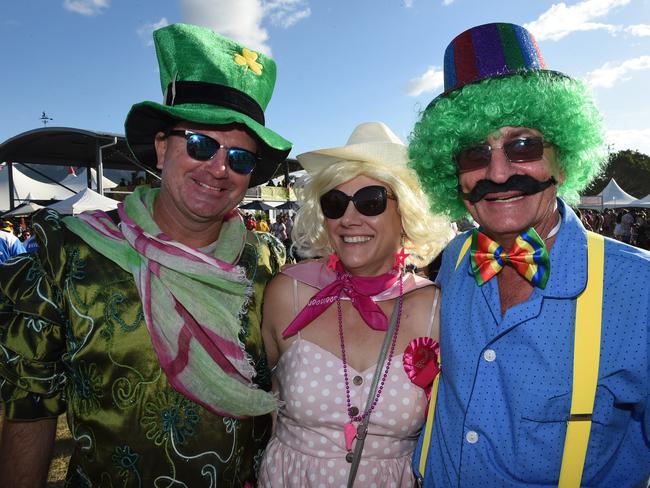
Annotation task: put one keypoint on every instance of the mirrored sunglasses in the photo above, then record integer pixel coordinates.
(204, 148)
(369, 201)
(520, 150)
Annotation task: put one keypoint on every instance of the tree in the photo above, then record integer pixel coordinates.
(630, 169)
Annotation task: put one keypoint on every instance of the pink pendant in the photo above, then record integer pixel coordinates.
(350, 432)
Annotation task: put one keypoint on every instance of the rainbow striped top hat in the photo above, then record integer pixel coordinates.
(490, 51)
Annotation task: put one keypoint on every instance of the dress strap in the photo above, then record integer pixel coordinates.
(433, 318)
(295, 297)
(296, 306)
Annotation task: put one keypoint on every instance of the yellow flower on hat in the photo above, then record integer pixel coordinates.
(248, 58)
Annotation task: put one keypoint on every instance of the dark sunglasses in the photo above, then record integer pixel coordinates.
(204, 148)
(520, 150)
(369, 201)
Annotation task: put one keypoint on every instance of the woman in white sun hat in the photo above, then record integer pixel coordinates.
(352, 336)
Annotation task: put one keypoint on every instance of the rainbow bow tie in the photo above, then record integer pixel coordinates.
(528, 256)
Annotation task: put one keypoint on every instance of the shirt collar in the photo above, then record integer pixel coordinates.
(568, 257)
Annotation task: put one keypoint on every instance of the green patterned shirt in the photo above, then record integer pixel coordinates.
(73, 339)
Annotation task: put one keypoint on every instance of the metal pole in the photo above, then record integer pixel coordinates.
(286, 179)
(286, 173)
(100, 165)
(10, 178)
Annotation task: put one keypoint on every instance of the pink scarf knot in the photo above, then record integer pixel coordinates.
(359, 289)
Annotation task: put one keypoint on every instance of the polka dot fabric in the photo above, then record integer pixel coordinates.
(308, 448)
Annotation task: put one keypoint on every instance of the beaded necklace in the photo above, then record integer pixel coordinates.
(349, 429)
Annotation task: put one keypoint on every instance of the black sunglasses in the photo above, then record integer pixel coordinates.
(369, 201)
(204, 148)
(520, 150)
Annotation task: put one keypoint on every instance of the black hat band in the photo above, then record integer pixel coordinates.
(181, 92)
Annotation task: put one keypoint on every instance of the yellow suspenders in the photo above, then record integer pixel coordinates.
(586, 359)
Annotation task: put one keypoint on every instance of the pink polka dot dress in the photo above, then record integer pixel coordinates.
(308, 447)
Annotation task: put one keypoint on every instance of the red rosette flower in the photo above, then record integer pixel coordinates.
(421, 362)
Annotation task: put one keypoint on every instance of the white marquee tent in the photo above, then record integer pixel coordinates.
(642, 202)
(26, 188)
(80, 181)
(24, 210)
(612, 196)
(82, 201)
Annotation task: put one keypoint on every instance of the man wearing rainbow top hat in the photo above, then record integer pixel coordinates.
(143, 325)
(545, 338)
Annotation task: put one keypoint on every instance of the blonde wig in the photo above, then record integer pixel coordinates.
(425, 234)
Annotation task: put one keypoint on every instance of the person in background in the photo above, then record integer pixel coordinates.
(273, 227)
(618, 227)
(325, 320)
(626, 225)
(279, 229)
(545, 334)
(261, 225)
(643, 236)
(29, 241)
(609, 221)
(598, 219)
(288, 222)
(10, 245)
(249, 220)
(143, 324)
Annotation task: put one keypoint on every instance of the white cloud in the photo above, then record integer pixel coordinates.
(636, 139)
(561, 20)
(407, 3)
(145, 31)
(611, 73)
(86, 7)
(641, 30)
(432, 79)
(285, 13)
(242, 19)
(447, 2)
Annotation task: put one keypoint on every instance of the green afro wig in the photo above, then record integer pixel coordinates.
(560, 107)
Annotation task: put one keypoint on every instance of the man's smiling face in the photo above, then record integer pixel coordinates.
(504, 215)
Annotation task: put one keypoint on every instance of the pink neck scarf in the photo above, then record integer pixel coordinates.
(359, 289)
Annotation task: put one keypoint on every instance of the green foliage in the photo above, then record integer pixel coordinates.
(630, 169)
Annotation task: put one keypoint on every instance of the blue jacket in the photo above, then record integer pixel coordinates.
(10, 246)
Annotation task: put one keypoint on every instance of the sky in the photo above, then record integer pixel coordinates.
(340, 62)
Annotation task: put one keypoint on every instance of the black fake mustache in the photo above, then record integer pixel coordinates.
(525, 184)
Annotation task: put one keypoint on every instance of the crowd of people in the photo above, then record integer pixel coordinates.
(628, 225)
(281, 228)
(15, 238)
(187, 349)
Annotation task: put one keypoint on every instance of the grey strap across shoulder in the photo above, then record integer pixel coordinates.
(362, 430)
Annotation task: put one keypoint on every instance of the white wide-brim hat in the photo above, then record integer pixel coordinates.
(370, 142)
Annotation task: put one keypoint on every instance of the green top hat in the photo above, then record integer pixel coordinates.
(208, 79)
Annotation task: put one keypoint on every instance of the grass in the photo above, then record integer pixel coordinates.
(62, 449)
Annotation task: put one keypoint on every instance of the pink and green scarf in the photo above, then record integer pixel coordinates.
(193, 303)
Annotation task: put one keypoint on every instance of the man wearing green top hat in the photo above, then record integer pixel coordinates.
(143, 324)
(545, 337)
